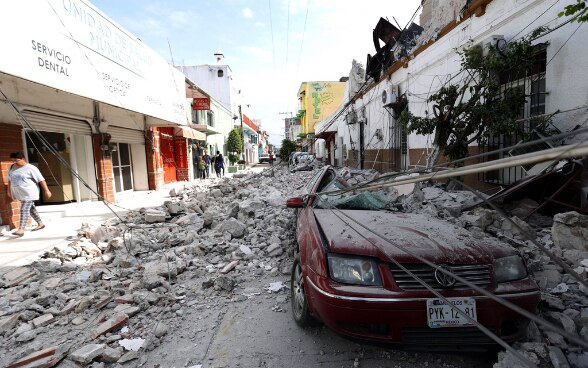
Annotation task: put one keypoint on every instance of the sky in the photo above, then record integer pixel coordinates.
(271, 46)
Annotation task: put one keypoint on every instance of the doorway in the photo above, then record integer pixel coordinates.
(121, 166)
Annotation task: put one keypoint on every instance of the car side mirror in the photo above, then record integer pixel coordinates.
(296, 202)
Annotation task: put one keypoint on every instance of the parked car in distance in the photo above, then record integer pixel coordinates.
(349, 278)
(264, 159)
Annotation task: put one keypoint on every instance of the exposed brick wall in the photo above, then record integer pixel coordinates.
(11, 142)
(105, 174)
(154, 159)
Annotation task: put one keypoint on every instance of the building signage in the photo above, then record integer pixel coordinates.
(201, 103)
(71, 46)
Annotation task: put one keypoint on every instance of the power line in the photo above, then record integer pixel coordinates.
(269, 2)
(303, 34)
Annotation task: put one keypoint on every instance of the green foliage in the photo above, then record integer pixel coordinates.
(233, 158)
(480, 106)
(302, 135)
(235, 141)
(287, 147)
(580, 8)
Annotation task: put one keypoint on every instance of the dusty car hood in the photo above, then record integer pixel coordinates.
(425, 236)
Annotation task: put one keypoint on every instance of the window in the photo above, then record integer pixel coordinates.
(534, 86)
(220, 73)
(210, 118)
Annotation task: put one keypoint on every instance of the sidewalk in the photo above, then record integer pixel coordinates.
(63, 221)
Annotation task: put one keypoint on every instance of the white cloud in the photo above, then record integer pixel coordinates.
(247, 13)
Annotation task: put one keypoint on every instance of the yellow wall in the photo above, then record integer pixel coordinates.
(319, 100)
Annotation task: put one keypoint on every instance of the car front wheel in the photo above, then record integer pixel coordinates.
(299, 305)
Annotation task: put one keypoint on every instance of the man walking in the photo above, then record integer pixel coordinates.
(206, 159)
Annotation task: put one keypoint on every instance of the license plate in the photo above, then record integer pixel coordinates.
(439, 314)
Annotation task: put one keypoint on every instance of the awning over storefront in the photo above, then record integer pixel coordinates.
(204, 128)
(325, 135)
(188, 132)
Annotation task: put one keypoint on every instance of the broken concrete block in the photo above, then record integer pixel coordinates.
(229, 267)
(128, 357)
(570, 231)
(87, 353)
(114, 323)
(52, 282)
(194, 221)
(224, 283)
(27, 336)
(68, 308)
(175, 208)
(111, 355)
(274, 250)
(43, 320)
(124, 299)
(103, 302)
(127, 309)
(161, 329)
(152, 216)
(18, 276)
(557, 358)
(234, 227)
(8, 323)
(41, 358)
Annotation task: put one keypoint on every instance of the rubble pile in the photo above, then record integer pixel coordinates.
(117, 290)
(564, 299)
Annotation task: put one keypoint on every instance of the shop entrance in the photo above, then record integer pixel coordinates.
(57, 176)
(121, 167)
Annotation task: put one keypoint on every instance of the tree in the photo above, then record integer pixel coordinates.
(580, 8)
(235, 141)
(481, 105)
(287, 147)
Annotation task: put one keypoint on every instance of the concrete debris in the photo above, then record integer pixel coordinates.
(570, 231)
(132, 344)
(132, 286)
(275, 287)
(87, 353)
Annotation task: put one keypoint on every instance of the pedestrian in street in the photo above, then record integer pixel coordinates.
(271, 158)
(201, 168)
(24, 180)
(206, 159)
(219, 164)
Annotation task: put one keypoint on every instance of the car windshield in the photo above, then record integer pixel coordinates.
(347, 200)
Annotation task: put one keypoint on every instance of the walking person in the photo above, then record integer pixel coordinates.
(206, 159)
(23, 182)
(201, 168)
(219, 164)
(271, 158)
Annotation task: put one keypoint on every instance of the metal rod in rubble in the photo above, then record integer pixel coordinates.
(557, 153)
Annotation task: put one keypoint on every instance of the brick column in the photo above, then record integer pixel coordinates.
(11, 142)
(104, 173)
(154, 159)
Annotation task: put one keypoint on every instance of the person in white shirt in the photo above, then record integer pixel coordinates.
(24, 180)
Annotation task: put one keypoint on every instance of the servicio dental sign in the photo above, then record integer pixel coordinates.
(70, 45)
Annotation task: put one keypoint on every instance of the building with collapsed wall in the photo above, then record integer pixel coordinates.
(410, 65)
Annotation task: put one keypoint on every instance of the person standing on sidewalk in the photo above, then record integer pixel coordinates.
(206, 159)
(271, 158)
(23, 182)
(219, 164)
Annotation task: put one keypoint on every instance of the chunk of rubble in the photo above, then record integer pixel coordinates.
(87, 353)
(570, 231)
(114, 323)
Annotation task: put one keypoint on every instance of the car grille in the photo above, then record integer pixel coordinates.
(476, 274)
(426, 337)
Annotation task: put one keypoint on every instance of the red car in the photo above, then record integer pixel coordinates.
(340, 277)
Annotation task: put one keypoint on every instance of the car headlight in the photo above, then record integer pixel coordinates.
(509, 269)
(352, 270)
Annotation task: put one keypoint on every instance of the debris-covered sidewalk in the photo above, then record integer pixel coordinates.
(117, 289)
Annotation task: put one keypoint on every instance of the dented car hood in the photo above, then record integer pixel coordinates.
(355, 232)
